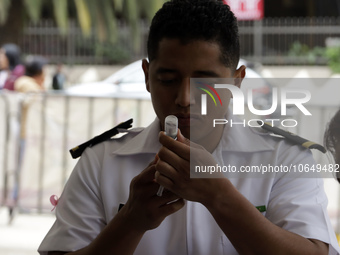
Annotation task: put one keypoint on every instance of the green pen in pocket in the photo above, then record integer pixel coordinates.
(261, 208)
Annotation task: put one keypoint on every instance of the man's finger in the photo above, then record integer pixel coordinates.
(172, 207)
(181, 138)
(147, 175)
(163, 180)
(180, 148)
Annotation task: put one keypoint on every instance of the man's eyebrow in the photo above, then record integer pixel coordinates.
(207, 73)
(204, 73)
(165, 70)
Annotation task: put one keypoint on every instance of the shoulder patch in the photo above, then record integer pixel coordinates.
(293, 138)
(78, 150)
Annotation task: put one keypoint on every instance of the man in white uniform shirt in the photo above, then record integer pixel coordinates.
(197, 216)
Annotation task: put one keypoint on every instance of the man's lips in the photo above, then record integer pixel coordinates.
(186, 119)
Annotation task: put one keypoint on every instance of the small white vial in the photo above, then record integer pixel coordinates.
(171, 129)
(171, 126)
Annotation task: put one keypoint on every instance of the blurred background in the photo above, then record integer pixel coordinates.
(93, 80)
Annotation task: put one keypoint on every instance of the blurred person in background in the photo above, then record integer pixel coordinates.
(32, 81)
(10, 65)
(59, 78)
(332, 139)
(4, 68)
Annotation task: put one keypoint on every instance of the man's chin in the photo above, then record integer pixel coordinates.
(185, 131)
(194, 134)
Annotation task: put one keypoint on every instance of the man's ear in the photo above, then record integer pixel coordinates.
(239, 74)
(145, 66)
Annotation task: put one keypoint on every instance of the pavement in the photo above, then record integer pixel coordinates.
(25, 233)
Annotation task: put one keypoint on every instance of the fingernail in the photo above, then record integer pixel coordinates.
(156, 159)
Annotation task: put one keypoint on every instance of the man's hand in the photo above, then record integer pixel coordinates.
(173, 169)
(145, 210)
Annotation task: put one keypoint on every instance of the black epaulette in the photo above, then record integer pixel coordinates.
(295, 139)
(78, 150)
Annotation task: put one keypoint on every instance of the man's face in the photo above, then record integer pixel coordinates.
(40, 78)
(168, 80)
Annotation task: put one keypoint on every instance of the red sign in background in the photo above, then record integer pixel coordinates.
(246, 9)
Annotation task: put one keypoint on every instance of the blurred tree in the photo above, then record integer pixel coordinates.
(99, 16)
(11, 17)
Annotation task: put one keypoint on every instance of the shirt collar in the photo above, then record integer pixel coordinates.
(144, 142)
(240, 138)
(236, 138)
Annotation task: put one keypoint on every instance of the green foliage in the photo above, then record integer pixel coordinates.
(298, 49)
(94, 16)
(304, 52)
(60, 14)
(84, 16)
(148, 8)
(4, 7)
(104, 52)
(333, 55)
(33, 8)
(130, 11)
(118, 5)
(110, 21)
(113, 54)
(330, 54)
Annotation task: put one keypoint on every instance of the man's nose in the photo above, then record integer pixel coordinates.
(184, 98)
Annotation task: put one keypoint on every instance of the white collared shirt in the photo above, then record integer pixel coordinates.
(101, 180)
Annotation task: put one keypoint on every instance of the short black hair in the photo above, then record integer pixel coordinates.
(187, 20)
(332, 138)
(13, 53)
(34, 65)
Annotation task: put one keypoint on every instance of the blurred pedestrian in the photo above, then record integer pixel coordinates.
(332, 139)
(59, 78)
(10, 65)
(33, 80)
(4, 68)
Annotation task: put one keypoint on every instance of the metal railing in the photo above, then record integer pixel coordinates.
(286, 41)
(5, 146)
(272, 41)
(44, 39)
(55, 123)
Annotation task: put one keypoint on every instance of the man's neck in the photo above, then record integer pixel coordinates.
(212, 139)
